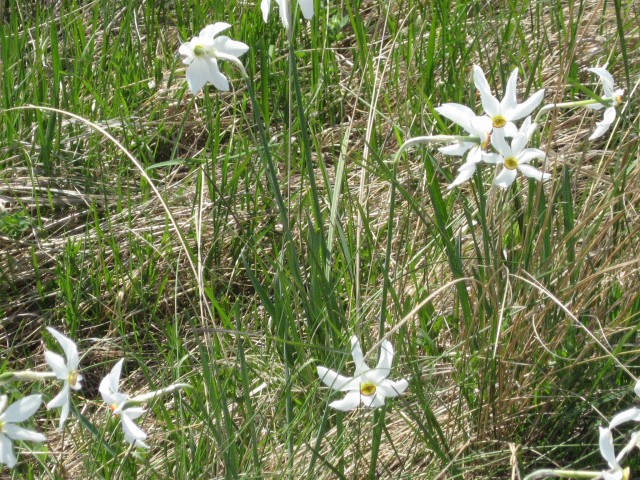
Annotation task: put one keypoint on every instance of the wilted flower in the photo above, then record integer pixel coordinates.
(368, 386)
(64, 371)
(17, 412)
(283, 5)
(615, 98)
(202, 55)
(515, 157)
(507, 110)
(110, 391)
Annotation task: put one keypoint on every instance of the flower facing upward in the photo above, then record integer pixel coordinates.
(116, 401)
(64, 371)
(507, 110)
(515, 157)
(17, 412)
(614, 96)
(202, 55)
(368, 386)
(283, 6)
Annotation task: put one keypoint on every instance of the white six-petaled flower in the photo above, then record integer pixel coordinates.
(368, 386)
(66, 371)
(283, 6)
(202, 55)
(507, 110)
(614, 97)
(515, 157)
(17, 412)
(116, 401)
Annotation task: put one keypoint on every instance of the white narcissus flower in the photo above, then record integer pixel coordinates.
(615, 472)
(202, 55)
(283, 6)
(368, 386)
(611, 94)
(515, 157)
(475, 126)
(16, 412)
(507, 110)
(116, 401)
(67, 371)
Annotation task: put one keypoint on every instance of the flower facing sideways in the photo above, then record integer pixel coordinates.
(507, 110)
(475, 126)
(615, 472)
(283, 6)
(116, 401)
(17, 412)
(614, 98)
(202, 55)
(515, 157)
(368, 386)
(64, 371)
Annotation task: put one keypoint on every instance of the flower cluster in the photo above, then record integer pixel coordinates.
(492, 129)
(497, 124)
(67, 370)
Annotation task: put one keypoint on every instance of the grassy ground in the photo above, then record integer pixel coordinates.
(513, 313)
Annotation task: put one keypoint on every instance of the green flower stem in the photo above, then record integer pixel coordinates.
(546, 473)
(576, 104)
(434, 139)
(25, 376)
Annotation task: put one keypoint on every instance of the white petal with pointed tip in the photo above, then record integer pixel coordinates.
(532, 172)
(349, 402)
(22, 409)
(333, 380)
(15, 432)
(505, 178)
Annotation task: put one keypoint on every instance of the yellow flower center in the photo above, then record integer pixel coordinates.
(113, 407)
(72, 378)
(498, 121)
(511, 163)
(626, 473)
(618, 99)
(199, 50)
(367, 388)
(1, 426)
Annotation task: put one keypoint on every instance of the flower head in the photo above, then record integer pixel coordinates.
(283, 5)
(67, 371)
(17, 412)
(368, 386)
(614, 97)
(507, 110)
(116, 401)
(475, 126)
(515, 157)
(202, 55)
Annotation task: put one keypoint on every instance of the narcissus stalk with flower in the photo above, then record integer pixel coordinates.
(66, 371)
(17, 412)
(202, 55)
(368, 386)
